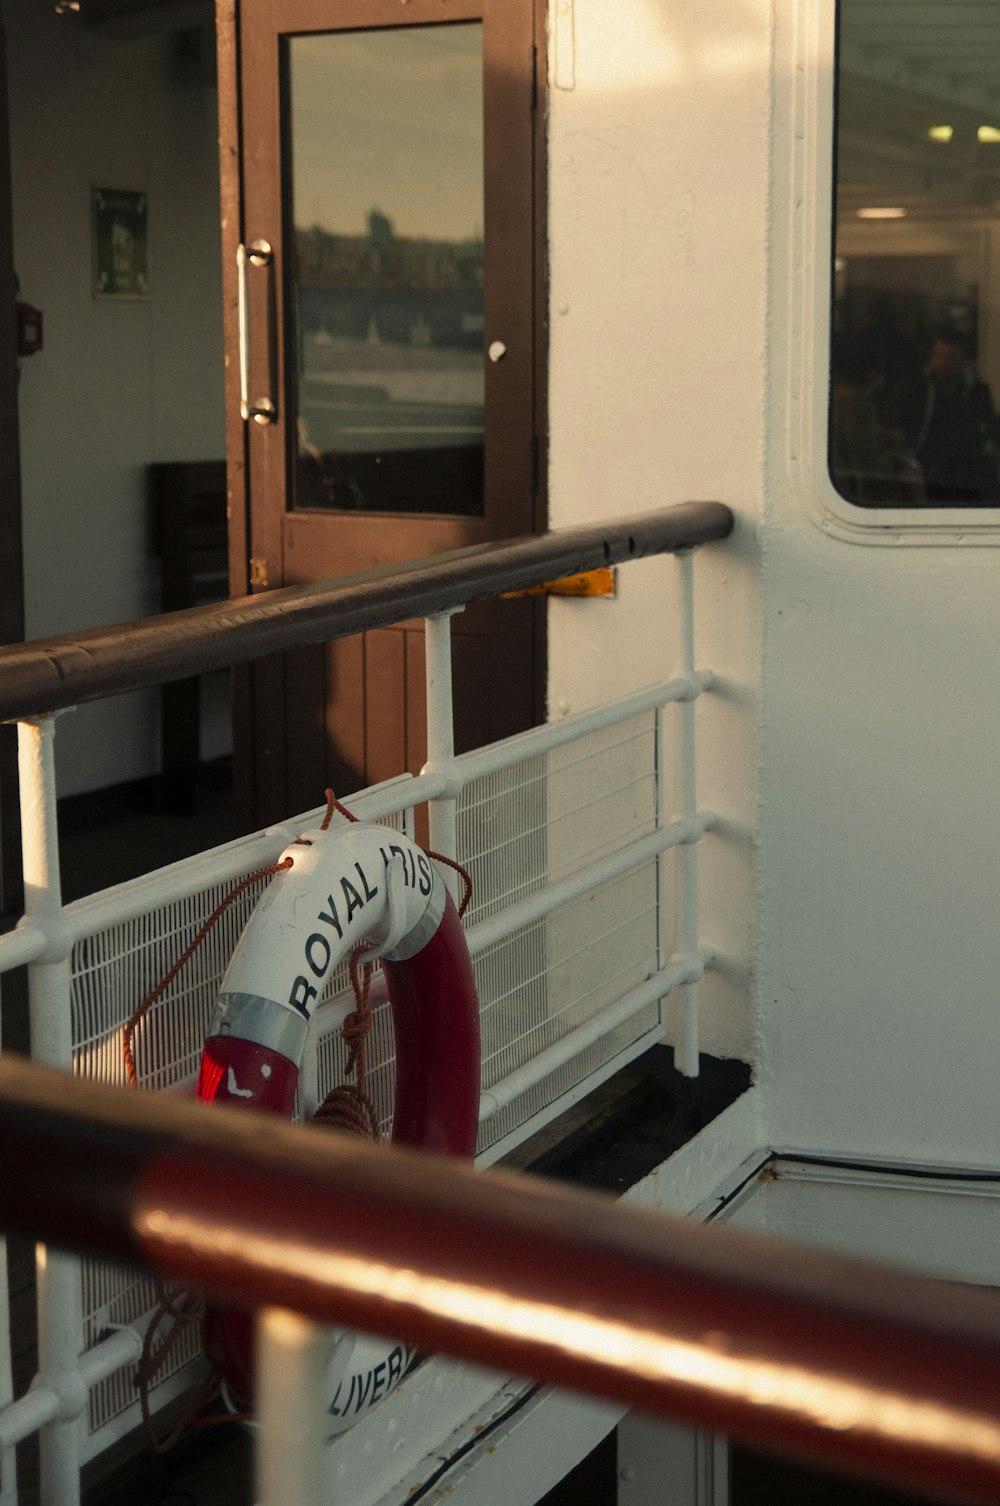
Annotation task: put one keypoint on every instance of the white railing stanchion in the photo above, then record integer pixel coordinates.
(48, 976)
(665, 865)
(441, 737)
(686, 1045)
(60, 1317)
(294, 1389)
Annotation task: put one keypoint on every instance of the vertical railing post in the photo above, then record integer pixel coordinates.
(686, 1046)
(59, 1299)
(441, 734)
(294, 1390)
(666, 913)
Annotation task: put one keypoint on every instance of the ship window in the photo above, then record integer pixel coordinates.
(915, 350)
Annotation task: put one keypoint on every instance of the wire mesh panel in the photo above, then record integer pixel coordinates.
(502, 837)
(601, 794)
(525, 829)
(112, 971)
(593, 1064)
(521, 829)
(593, 951)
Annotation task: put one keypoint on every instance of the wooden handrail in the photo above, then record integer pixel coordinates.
(849, 1363)
(52, 673)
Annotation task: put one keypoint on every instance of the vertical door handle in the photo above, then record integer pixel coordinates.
(256, 254)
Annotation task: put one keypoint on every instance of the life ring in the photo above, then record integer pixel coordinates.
(354, 882)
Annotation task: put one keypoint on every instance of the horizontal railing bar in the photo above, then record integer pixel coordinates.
(38, 1406)
(219, 865)
(53, 673)
(523, 912)
(179, 881)
(503, 1092)
(27, 1414)
(841, 1360)
(165, 886)
(480, 762)
(24, 944)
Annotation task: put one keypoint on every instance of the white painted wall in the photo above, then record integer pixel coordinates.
(688, 358)
(658, 168)
(879, 950)
(687, 322)
(119, 384)
(880, 824)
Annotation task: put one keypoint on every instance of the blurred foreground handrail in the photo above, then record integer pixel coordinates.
(836, 1359)
(51, 673)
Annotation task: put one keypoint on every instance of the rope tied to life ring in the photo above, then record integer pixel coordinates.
(347, 1107)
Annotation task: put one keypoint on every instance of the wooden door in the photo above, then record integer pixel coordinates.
(391, 359)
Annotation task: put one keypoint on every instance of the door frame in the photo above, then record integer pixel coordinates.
(11, 554)
(258, 779)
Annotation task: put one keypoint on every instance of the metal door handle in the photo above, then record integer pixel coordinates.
(258, 254)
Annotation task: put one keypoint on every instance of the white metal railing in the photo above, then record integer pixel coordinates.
(550, 851)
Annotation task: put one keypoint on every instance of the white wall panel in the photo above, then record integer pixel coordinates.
(658, 188)
(879, 952)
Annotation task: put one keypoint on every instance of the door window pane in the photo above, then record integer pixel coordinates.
(386, 171)
(915, 370)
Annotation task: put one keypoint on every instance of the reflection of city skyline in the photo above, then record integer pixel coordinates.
(382, 259)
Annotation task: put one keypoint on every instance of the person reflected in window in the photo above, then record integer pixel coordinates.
(869, 462)
(950, 418)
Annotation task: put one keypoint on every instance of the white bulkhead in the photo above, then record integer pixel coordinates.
(852, 743)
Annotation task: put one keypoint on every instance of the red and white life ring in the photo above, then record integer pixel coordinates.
(354, 882)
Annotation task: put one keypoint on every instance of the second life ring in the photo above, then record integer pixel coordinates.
(351, 883)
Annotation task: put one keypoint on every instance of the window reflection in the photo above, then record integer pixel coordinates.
(915, 355)
(387, 192)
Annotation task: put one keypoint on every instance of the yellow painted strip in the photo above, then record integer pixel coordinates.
(602, 582)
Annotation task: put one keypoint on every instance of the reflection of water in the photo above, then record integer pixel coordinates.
(438, 318)
(393, 372)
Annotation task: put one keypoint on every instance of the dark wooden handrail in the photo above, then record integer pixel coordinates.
(52, 673)
(844, 1361)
